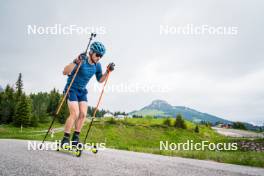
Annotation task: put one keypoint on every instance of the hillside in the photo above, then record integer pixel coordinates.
(160, 108)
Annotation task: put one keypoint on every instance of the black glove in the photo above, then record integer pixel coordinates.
(79, 58)
(110, 67)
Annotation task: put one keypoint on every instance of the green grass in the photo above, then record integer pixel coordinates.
(144, 135)
(32, 133)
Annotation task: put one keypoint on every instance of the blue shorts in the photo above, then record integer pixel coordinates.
(77, 95)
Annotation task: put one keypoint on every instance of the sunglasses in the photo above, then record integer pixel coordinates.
(98, 55)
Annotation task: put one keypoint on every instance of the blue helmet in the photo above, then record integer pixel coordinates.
(98, 48)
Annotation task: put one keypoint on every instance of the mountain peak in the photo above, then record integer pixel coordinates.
(158, 104)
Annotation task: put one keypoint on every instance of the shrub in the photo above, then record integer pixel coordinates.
(180, 123)
(167, 122)
(112, 121)
(196, 130)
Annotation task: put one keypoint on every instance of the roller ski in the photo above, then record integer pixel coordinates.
(66, 146)
(70, 149)
(74, 146)
(75, 142)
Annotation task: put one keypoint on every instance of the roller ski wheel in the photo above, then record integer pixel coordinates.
(78, 152)
(94, 149)
(68, 149)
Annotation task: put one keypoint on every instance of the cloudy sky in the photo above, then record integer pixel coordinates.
(217, 73)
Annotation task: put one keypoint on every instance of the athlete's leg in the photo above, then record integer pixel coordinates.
(79, 122)
(82, 115)
(74, 113)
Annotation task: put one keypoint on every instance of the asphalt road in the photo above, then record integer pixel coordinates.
(238, 133)
(16, 159)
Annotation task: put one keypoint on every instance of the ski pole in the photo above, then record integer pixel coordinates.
(96, 108)
(68, 89)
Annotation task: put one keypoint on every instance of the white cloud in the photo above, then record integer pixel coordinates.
(220, 75)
